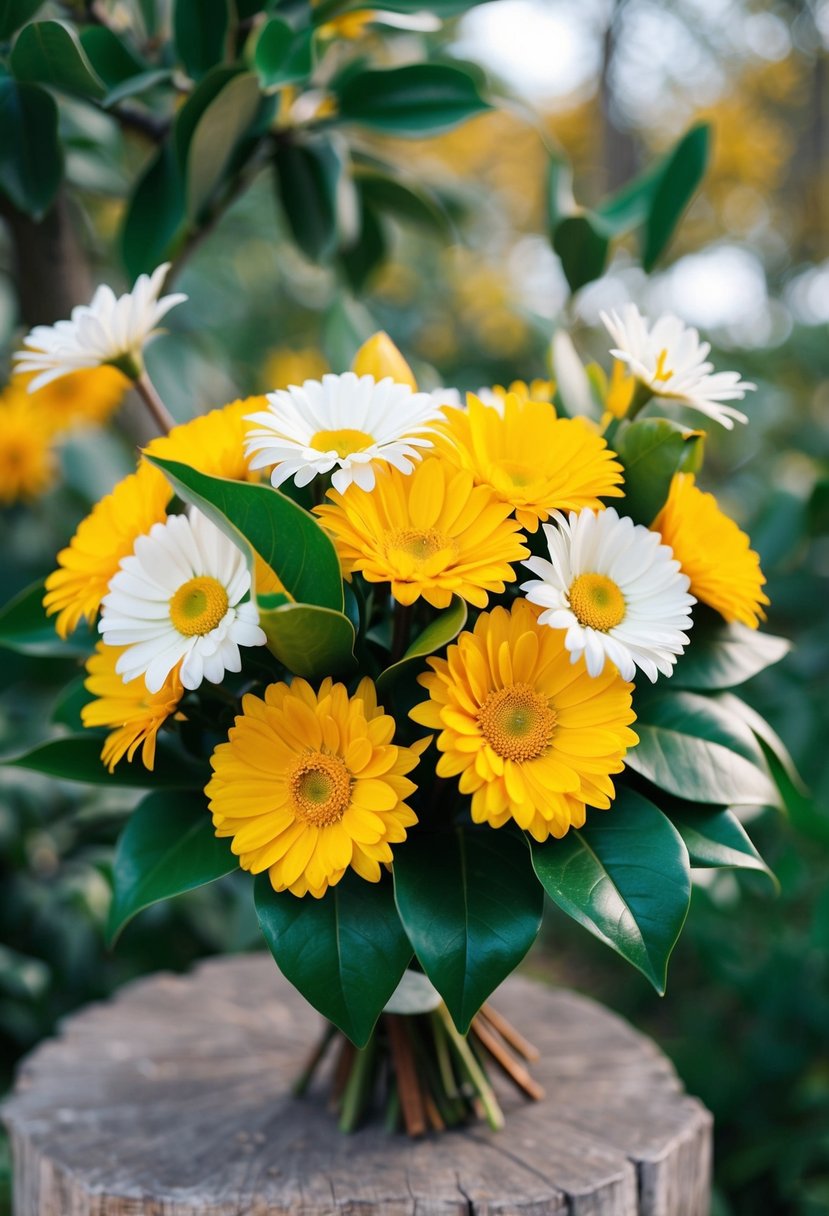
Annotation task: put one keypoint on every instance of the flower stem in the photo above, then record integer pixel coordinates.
(160, 414)
(402, 627)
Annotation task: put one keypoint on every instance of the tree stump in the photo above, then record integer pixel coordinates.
(174, 1099)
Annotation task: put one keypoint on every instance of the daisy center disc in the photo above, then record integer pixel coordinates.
(597, 602)
(418, 544)
(345, 441)
(517, 722)
(662, 372)
(320, 789)
(198, 606)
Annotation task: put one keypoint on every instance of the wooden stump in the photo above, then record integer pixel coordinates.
(172, 1099)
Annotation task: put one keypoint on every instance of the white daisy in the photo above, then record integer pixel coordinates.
(107, 331)
(349, 423)
(670, 361)
(177, 598)
(616, 589)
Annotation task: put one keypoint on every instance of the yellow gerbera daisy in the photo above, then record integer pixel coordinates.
(309, 784)
(212, 443)
(532, 736)
(286, 365)
(107, 535)
(137, 714)
(532, 460)
(430, 533)
(717, 557)
(27, 460)
(536, 390)
(87, 397)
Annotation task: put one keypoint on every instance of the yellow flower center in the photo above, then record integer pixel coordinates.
(419, 544)
(597, 602)
(519, 475)
(517, 722)
(662, 372)
(345, 441)
(198, 606)
(320, 788)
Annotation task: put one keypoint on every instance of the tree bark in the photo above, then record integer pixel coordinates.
(51, 271)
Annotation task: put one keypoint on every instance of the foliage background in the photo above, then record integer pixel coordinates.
(471, 292)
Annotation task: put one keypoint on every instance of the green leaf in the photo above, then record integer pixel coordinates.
(70, 701)
(405, 202)
(309, 640)
(582, 249)
(766, 735)
(722, 655)
(111, 57)
(715, 838)
(677, 178)
(155, 214)
(419, 99)
(200, 30)
(261, 519)
(78, 758)
(204, 94)
(167, 847)
(651, 450)
(367, 251)
(281, 55)
(142, 82)
(25, 627)
(216, 139)
(691, 747)
(31, 160)
(626, 878)
(345, 952)
(307, 179)
(14, 13)
(438, 633)
(49, 52)
(443, 8)
(472, 909)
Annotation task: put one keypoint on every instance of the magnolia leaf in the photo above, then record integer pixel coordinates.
(25, 627)
(723, 655)
(49, 52)
(437, 634)
(78, 758)
(418, 99)
(309, 640)
(29, 119)
(626, 878)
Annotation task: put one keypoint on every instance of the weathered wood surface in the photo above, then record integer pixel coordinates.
(172, 1100)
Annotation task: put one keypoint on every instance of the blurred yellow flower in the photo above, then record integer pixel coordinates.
(620, 390)
(212, 443)
(136, 714)
(431, 533)
(714, 553)
(533, 461)
(87, 397)
(27, 460)
(286, 366)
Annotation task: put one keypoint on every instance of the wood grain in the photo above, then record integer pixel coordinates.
(173, 1099)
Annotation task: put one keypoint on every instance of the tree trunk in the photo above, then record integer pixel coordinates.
(50, 268)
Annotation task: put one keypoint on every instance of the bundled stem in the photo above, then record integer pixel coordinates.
(421, 1073)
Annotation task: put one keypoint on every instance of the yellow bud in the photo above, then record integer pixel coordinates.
(620, 390)
(379, 357)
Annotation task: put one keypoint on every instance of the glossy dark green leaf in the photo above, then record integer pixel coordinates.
(442, 8)
(651, 450)
(405, 202)
(678, 177)
(155, 214)
(261, 519)
(438, 633)
(78, 758)
(625, 876)
(311, 641)
(419, 99)
(133, 86)
(765, 734)
(204, 94)
(111, 57)
(216, 137)
(200, 31)
(367, 251)
(691, 747)
(345, 952)
(167, 847)
(307, 179)
(723, 656)
(582, 249)
(14, 13)
(282, 55)
(31, 160)
(471, 907)
(70, 701)
(49, 52)
(715, 838)
(25, 627)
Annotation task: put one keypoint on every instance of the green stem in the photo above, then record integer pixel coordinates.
(402, 628)
(477, 1077)
(160, 414)
(358, 1087)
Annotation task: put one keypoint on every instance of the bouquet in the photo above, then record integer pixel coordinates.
(414, 660)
